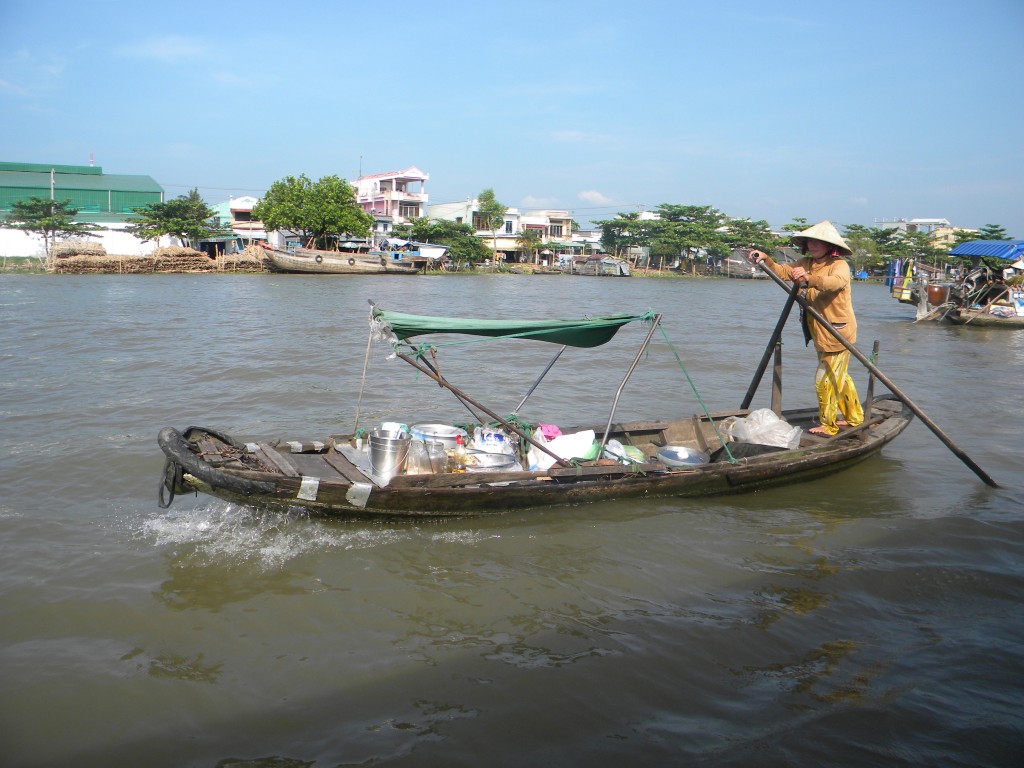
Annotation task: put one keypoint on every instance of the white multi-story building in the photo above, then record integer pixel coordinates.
(940, 231)
(553, 226)
(236, 214)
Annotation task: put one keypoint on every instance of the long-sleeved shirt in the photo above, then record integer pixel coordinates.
(828, 291)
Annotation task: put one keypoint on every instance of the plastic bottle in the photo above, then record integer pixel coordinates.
(457, 459)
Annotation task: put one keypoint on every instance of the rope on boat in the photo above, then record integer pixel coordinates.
(169, 480)
(366, 364)
(700, 400)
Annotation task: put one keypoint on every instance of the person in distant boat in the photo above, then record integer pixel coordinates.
(826, 275)
(994, 291)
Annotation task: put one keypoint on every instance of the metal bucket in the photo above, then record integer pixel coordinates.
(388, 453)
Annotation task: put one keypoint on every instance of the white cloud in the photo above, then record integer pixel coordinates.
(8, 87)
(229, 78)
(595, 197)
(538, 202)
(166, 48)
(568, 135)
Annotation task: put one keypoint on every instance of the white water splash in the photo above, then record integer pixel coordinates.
(230, 533)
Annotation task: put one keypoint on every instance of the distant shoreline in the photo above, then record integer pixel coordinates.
(240, 264)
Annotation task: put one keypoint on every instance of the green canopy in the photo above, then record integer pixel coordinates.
(585, 332)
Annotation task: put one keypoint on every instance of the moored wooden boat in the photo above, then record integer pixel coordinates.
(991, 316)
(599, 266)
(336, 475)
(308, 260)
(982, 295)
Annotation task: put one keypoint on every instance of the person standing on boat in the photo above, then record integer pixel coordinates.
(826, 276)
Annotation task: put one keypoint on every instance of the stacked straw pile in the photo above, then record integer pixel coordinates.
(73, 248)
(252, 259)
(172, 258)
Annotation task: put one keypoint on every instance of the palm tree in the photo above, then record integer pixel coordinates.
(529, 241)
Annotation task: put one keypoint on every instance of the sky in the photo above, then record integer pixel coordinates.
(859, 112)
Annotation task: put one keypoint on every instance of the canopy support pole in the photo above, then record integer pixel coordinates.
(540, 378)
(622, 385)
(465, 404)
(467, 399)
(885, 380)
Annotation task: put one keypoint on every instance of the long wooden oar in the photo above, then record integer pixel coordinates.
(885, 380)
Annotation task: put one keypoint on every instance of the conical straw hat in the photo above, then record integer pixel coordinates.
(824, 231)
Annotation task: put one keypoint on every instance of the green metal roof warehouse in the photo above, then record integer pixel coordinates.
(99, 196)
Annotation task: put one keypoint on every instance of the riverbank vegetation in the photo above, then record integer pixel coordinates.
(676, 238)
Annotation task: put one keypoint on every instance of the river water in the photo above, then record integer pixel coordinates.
(873, 618)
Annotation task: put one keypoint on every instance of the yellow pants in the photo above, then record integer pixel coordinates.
(836, 391)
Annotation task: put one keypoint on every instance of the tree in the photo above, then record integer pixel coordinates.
(621, 233)
(319, 211)
(491, 215)
(797, 224)
(51, 219)
(529, 240)
(864, 247)
(744, 233)
(992, 232)
(692, 229)
(463, 244)
(962, 236)
(186, 217)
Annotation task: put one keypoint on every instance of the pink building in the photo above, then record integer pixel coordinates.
(398, 195)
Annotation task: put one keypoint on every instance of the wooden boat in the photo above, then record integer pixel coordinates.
(308, 260)
(599, 266)
(977, 296)
(740, 267)
(991, 316)
(335, 476)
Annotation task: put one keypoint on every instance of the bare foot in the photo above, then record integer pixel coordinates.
(819, 431)
(842, 423)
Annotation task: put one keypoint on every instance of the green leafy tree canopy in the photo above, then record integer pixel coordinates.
(691, 229)
(993, 232)
(463, 244)
(744, 233)
(186, 217)
(319, 211)
(491, 214)
(52, 219)
(529, 240)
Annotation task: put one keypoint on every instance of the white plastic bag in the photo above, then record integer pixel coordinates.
(624, 454)
(578, 445)
(763, 427)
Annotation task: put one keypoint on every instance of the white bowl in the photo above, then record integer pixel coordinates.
(439, 433)
(485, 461)
(682, 456)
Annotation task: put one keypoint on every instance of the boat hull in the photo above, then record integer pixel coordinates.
(309, 261)
(980, 318)
(326, 478)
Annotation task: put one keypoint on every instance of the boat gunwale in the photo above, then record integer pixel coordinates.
(405, 494)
